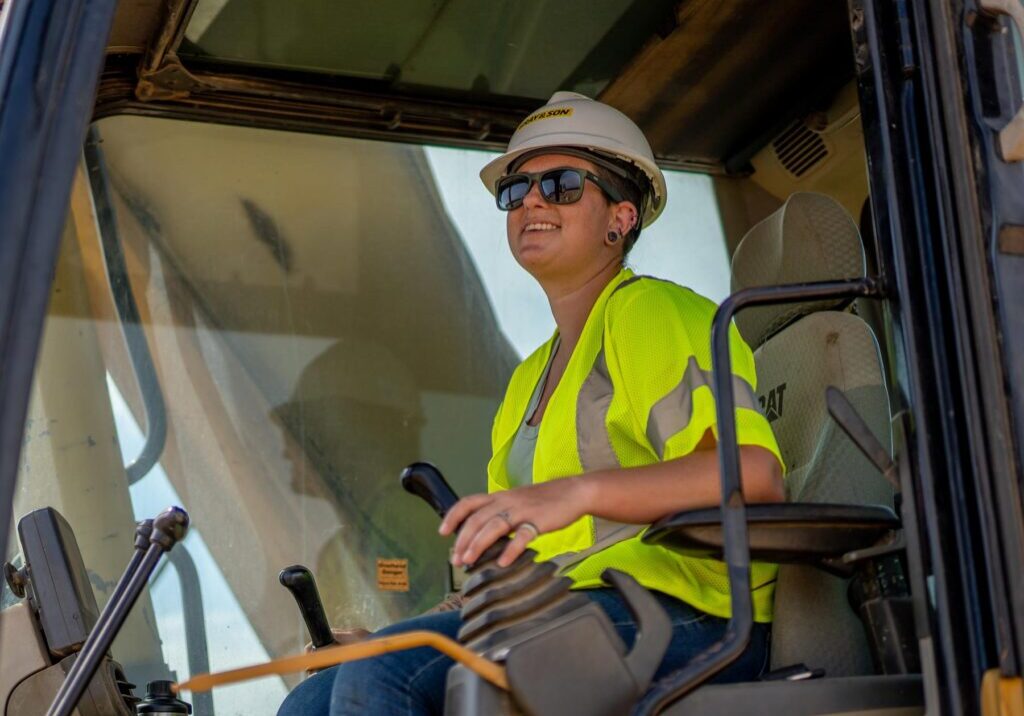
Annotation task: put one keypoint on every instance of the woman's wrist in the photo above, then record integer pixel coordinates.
(587, 490)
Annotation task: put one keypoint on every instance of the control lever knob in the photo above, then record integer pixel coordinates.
(161, 700)
(425, 480)
(300, 582)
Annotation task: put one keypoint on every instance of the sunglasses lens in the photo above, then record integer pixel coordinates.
(558, 186)
(511, 191)
(561, 186)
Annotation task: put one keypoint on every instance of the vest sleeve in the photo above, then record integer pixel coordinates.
(658, 344)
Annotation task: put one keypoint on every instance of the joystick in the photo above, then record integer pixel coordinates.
(426, 481)
(300, 582)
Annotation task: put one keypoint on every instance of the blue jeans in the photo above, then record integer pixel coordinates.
(412, 683)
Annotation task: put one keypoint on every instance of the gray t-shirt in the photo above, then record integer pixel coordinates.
(519, 464)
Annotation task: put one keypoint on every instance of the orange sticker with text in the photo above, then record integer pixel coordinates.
(393, 575)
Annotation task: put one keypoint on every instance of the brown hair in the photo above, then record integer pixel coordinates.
(630, 191)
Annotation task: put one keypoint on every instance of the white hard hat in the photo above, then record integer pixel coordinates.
(570, 119)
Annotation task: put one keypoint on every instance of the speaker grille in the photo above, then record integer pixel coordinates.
(799, 149)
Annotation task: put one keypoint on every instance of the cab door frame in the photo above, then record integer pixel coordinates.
(933, 215)
(50, 62)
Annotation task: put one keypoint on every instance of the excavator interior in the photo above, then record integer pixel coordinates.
(281, 281)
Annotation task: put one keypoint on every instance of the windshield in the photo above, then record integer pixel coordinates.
(318, 312)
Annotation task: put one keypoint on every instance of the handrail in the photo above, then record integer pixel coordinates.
(736, 550)
(194, 616)
(333, 655)
(128, 314)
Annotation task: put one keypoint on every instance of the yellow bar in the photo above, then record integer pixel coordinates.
(330, 656)
(1001, 695)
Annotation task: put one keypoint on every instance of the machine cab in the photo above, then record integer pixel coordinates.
(247, 268)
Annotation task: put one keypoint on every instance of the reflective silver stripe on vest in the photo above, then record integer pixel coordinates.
(606, 534)
(673, 413)
(592, 440)
(594, 445)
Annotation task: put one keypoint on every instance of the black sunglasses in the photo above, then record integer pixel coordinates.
(563, 185)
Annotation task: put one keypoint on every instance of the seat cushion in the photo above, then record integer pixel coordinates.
(810, 238)
(794, 368)
(814, 623)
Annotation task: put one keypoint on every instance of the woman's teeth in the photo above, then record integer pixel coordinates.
(541, 227)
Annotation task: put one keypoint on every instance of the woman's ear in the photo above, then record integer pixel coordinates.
(625, 217)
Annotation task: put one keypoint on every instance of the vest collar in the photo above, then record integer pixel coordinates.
(534, 367)
(596, 314)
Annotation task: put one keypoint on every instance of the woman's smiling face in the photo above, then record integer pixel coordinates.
(558, 241)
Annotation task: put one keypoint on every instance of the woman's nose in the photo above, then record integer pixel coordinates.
(533, 197)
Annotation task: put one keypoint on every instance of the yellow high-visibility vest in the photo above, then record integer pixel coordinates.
(636, 391)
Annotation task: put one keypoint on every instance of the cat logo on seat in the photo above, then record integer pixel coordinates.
(771, 404)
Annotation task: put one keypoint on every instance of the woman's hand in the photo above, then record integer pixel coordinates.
(343, 637)
(527, 511)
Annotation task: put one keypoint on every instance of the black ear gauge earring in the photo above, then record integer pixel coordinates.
(613, 237)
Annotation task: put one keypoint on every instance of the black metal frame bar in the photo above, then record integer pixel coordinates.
(237, 96)
(736, 550)
(985, 196)
(916, 66)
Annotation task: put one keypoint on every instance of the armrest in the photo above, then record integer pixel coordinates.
(779, 532)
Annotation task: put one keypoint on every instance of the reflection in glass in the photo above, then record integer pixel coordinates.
(321, 311)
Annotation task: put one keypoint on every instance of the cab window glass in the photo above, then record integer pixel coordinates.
(498, 48)
(319, 312)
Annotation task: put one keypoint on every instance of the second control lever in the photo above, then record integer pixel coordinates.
(300, 582)
(426, 481)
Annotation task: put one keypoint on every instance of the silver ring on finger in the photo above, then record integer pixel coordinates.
(528, 526)
(504, 515)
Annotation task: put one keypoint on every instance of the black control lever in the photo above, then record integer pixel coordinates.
(300, 582)
(425, 480)
(156, 538)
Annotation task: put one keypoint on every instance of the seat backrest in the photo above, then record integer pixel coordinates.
(800, 350)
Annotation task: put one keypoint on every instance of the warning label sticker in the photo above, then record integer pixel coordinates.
(546, 114)
(393, 575)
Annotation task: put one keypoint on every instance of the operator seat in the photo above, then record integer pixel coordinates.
(800, 350)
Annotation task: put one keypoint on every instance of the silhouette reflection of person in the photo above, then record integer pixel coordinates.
(355, 412)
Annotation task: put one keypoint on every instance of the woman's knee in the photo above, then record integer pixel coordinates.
(358, 681)
(410, 681)
(312, 697)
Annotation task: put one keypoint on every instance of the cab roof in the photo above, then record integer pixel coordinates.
(709, 81)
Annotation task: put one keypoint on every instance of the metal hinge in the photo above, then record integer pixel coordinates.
(161, 74)
(169, 81)
(1001, 695)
